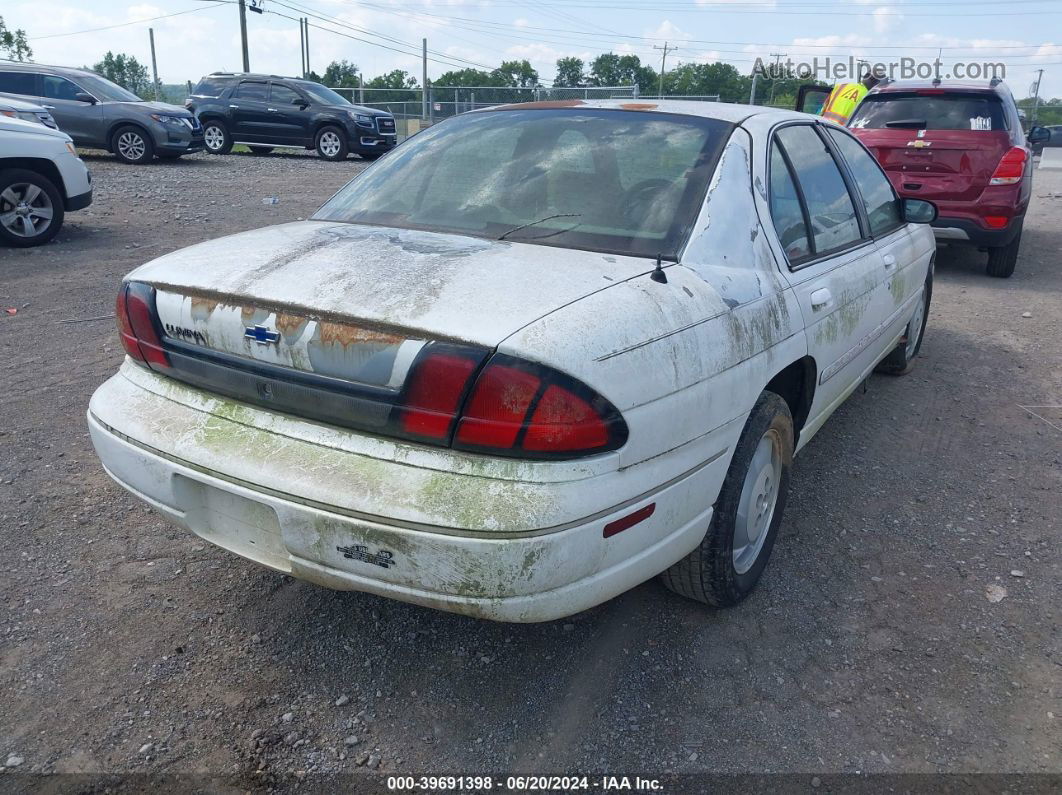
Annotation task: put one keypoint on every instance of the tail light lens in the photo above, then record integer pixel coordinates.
(436, 388)
(526, 410)
(135, 313)
(1011, 168)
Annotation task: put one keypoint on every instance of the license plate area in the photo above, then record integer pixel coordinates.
(243, 526)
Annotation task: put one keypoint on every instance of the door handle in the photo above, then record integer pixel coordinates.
(272, 110)
(48, 107)
(889, 260)
(234, 106)
(821, 298)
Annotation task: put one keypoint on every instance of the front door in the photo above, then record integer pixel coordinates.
(835, 268)
(810, 99)
(289, 122)
(250, 119)
(82, 121)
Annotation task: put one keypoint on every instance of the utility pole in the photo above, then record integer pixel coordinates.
(1036, 97)
(154, 66)
(778, 56)
(243, 35)
(302, 46)
(306, 38)
(663, 64)
(424, 79)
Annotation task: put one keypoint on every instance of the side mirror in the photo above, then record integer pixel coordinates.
(81, 96)
(1038, 135)
(919, 211)
(302, 103)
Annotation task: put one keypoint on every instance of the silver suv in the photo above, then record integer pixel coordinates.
(99, 114)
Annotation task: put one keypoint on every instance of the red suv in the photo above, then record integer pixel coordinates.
(961, 146)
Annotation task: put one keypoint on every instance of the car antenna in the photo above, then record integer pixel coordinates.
(658, 274)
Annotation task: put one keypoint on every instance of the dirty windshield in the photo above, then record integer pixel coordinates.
(615, 181)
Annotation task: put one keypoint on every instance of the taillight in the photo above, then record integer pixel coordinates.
(522, 409)
(135, 313)
(1011, 168)
(436, 387)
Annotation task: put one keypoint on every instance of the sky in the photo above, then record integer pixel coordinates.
(195, 37)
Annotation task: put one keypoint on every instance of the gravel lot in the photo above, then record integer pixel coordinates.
(127, 645)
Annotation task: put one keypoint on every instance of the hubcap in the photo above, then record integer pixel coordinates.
(25, 210)
(214, 138)
(759, 496)
(131, 145)
(914, 328)
(330, 144)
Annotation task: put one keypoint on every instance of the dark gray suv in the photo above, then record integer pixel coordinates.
(99, 114)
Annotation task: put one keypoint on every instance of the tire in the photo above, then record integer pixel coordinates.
(28, 195)
(901, 360)
(132, 145)
(1002, 260)
(331, 143)
(216, 138)
(260, 150)
(715, 573)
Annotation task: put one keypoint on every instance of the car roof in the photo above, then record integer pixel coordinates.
(985, 86)
(723, 111)
(24, 66)
(251, 76)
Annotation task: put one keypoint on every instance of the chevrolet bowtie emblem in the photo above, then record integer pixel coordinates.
(919, 144)
(262, 335)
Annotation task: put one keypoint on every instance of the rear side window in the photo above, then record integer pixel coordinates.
(834, 223)
(210, 87)
(883, 208)
(19, 83)
(930, 111)
(253, 91)
(786, 212)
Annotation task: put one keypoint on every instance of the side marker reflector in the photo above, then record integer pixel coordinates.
(630, 520)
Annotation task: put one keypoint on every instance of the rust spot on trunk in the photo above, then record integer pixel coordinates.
(545, 104)
(343, 334)
(638, 106)
(205, 306)
(289, 324)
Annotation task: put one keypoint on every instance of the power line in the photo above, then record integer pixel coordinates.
(217, 4)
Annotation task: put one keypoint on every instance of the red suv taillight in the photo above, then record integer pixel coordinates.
(1011, 168)
(512, 408)
(135, 313)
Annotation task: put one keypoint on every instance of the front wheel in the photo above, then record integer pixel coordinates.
(901, 360)
(133, 145)
(726, 566)
(31, 209)
(331, 143)
(216, 138)
(1003, 260)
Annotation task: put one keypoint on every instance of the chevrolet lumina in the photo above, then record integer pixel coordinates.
(531, 358)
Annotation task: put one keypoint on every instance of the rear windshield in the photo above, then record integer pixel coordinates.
(924, 111)
(613, 181)
(210, 87)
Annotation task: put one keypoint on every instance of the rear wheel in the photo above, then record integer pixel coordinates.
(216, 138)
(260, 150)
(31, 209)
(901, 360)
(331, 143)
(725, 568)
(1002, 260)
(132, 145)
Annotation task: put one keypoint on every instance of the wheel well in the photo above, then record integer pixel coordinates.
(41, 166)
(327, 123)
(796, 386)
(118, 125)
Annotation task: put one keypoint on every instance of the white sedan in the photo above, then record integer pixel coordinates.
(533, 357)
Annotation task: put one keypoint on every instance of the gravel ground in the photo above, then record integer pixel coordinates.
(127, 645)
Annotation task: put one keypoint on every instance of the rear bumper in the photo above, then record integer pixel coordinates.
(949, 230)
(290, 515)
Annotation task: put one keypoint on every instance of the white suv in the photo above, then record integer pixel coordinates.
(41, 179)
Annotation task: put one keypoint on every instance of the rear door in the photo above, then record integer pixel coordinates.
(835, 268)
(289, 122)
(810, 99)
(936, 144)
(82, 121)
(250, 119)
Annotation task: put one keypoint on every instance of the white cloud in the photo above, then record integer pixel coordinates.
(886, 18)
